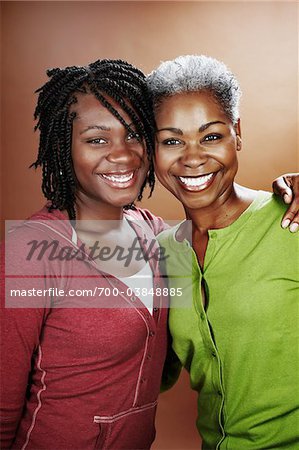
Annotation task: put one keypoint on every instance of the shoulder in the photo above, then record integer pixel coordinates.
(264, 226)
(269, 207)
(168, 236)
(39, 225)
(40, 231)
(156, 223)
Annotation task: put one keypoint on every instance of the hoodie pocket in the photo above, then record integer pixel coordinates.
(129, 430)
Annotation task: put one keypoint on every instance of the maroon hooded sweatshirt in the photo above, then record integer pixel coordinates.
(77, 377)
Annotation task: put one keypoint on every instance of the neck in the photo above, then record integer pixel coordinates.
(224, 211)
(94, 218)
(86, 209)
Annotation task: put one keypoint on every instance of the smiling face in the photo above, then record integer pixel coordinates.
(196, 156)
(110, 163)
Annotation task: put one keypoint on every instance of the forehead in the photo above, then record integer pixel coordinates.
(89, 109)
(189, 106)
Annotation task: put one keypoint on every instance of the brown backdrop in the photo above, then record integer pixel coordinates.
(258, 40)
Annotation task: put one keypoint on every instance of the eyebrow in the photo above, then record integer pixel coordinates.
(100, 127)
(207, 125)
(95, 127)
(202, 128)
(173, 130)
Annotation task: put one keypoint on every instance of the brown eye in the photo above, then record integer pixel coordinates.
(96, 141)
(212, 137)
(171, 141)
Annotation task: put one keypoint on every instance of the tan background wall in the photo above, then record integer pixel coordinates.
(258, 40)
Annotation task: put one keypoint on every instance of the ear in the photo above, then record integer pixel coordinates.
(237, 128)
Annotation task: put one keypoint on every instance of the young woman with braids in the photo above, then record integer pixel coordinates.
(91, 365)
(84, 372)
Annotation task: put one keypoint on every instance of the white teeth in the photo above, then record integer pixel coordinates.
(119, 178)
(196, 181)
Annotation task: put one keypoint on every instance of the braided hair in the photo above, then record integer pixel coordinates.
(117, 79)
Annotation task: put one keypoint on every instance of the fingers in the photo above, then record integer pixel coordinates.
(282, 186)
(291, 218)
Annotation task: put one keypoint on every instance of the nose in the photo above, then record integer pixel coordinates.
(193, 156)
(121, 153)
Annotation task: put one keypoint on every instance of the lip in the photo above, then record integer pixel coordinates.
(196, 183)
(121, 179)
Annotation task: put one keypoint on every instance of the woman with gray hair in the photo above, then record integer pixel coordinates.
(237, 336)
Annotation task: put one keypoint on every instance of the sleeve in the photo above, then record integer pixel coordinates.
(20, 331)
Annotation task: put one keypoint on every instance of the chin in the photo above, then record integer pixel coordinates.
(196, 202)
(124, 200)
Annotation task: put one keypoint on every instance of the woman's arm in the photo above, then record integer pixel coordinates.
(287, 187)
(19, 336)
(20, 332)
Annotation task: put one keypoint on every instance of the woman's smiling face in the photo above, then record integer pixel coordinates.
(110, 163)
(196, 148)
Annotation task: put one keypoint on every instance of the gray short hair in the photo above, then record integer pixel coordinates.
(193, 73)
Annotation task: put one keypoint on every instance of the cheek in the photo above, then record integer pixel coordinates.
(163, 162)
(80, 163)
(227, 156)
(232, 158)
(163, 174)
(159, 167)
(84, 157)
